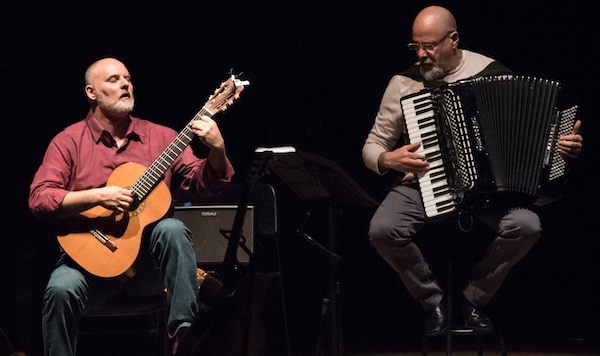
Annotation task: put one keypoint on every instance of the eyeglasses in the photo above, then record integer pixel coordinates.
(414, 46)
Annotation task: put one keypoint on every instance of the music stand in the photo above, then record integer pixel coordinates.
(315, 178)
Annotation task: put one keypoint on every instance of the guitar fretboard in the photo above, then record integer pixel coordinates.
(155, 173)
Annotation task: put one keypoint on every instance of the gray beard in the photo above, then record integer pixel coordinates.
(433, 74)
(116, 108)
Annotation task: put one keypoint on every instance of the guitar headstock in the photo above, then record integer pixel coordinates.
(225, 94)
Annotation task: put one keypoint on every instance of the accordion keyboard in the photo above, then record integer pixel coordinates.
(419, 115)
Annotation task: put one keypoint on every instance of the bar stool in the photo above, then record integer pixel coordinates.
(451, 328)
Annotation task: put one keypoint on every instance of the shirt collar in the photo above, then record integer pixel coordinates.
(101, 135)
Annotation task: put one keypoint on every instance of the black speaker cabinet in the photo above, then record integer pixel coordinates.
(211, 227)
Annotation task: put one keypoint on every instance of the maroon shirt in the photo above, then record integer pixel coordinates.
(84, 155)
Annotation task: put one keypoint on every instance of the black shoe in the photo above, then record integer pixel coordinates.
(436, 321)
(475, 319)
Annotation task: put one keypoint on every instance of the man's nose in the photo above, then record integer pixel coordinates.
(422, 53)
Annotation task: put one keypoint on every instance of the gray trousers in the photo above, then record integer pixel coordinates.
(401, 216)
(166, 259)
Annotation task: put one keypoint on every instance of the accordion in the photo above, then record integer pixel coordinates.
(488, 135)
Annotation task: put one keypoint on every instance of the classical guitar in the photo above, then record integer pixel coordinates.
(106, 243)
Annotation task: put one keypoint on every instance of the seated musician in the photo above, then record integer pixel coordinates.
(72, 178)
(396, 224)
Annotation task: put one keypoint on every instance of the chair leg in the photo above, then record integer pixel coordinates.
(449, 311)
(163, 331)
(502, 345)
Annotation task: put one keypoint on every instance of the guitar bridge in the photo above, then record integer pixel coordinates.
(104, 240)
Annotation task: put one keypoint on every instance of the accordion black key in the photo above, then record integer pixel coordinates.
(488, 135)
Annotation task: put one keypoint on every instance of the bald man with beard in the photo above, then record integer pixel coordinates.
(395, 226)
(72, 179)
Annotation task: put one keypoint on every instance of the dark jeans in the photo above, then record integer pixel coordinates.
(166, 260)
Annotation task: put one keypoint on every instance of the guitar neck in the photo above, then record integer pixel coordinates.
(218, 101)
(155, 173)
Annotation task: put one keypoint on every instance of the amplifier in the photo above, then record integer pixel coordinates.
(211, 227)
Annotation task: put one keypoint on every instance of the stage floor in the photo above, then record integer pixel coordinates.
(487, 353)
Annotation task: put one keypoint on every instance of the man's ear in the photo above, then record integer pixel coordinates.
(455, 37)
(90, 92)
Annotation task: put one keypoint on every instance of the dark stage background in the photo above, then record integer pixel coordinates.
(317, 73)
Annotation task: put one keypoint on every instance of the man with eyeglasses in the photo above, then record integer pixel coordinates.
(398, 220)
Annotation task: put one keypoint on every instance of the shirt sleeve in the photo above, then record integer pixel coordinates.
(49, 185)
(195, 175)
(388, 126)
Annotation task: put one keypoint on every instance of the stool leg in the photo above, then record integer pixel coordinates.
(449, 311)
(502, 345)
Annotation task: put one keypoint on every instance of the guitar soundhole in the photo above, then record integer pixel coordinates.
(139, 207)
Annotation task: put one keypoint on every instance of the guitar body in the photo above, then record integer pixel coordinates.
(123, 230)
